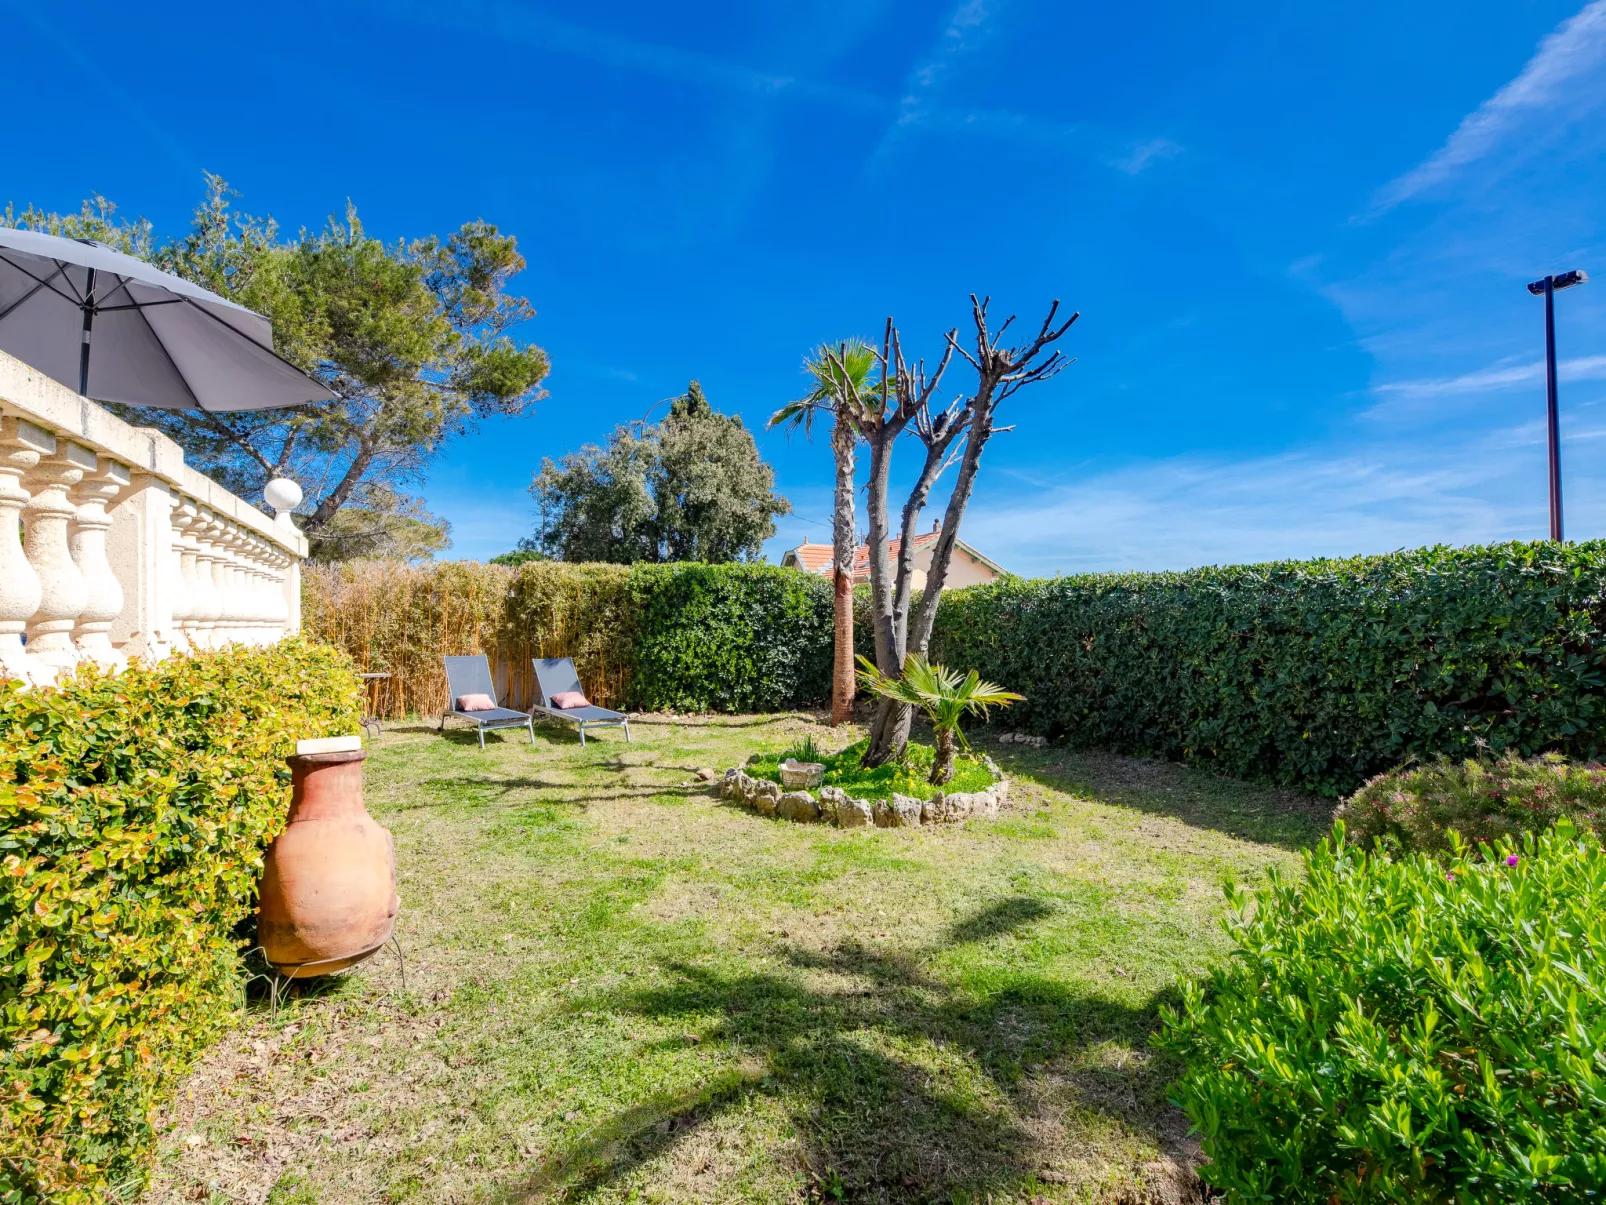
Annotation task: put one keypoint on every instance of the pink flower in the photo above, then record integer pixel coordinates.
(1512, 859)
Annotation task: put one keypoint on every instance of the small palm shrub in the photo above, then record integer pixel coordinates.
(1400, 1029)
(944, 696)
(1415, 807)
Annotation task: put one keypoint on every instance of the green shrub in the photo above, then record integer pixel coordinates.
(1415, 807)
(1404, 1030)
(730, 637)
(1318, 673)
(910, 777)
(133, 816)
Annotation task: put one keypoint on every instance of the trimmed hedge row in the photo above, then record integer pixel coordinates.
(133, 819)
(1318, 673)
(650, 637)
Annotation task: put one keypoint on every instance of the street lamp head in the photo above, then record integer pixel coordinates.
(1564, 281)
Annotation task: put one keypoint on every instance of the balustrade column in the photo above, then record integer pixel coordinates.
(205, 605)
(87, 539)
(21, 444)
(62, 589)
(267, 578)
(279, 560)
(227, 628)
(183, 578)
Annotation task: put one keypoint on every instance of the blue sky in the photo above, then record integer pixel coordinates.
(1298, 234)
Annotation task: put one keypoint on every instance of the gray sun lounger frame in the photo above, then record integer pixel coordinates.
(554, 675)
(472, 676)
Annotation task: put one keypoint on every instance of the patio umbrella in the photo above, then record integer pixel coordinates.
(119, 330)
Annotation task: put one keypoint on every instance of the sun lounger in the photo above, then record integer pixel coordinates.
(555, 676)
(472, 676)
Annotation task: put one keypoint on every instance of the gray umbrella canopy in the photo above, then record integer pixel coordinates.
(118, 330)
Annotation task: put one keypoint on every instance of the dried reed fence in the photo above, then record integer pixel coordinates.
(402, 619)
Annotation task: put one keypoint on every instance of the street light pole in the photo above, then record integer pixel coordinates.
(1547, 288)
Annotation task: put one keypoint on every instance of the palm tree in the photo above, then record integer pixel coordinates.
(841, 377)
(944, 696)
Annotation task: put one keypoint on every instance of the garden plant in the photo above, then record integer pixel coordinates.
(1416, 807)
(944, 696)
(1401, 1029)
(132, 825)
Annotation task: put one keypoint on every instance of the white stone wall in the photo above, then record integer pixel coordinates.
(112, 547)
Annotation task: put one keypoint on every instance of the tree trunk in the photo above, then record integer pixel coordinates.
(843, 683)
(889, 733)
(336, 498)
(942, 765)
(888, 646)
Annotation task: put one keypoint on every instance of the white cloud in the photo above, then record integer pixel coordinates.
(970, 27)
(1144, 154)
(1190, 511)
(1501, 376)
(1548, 81)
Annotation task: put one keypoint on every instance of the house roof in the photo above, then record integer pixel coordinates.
(819, 558)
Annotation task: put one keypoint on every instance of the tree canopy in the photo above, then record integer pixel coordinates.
(411, 337)
(690, 488)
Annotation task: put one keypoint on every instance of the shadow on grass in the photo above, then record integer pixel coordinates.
(866, 1071)
(1286, 818)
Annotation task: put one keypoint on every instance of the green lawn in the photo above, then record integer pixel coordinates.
(622, 988)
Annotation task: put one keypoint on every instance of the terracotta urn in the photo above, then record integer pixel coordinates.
(328, 897)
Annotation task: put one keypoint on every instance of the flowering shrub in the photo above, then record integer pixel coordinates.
(1415, 807)
(133, 816)
(1400, 1029)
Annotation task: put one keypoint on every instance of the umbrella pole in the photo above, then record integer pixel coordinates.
(89, 321)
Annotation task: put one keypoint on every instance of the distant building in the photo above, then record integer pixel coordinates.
(966, 567)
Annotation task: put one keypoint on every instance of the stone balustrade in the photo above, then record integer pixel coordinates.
(112, 547)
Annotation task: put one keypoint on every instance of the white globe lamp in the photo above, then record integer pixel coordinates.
(284, 495)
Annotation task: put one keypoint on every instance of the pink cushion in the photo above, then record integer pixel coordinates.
(475, 703)
(568, 700)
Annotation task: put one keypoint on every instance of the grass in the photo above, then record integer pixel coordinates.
(622, 989)
(842, 769)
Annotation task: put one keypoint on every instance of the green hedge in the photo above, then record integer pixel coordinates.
(132, 823)
(1403, 1030)
(729, 638)
(684, 637)
(1315, 673)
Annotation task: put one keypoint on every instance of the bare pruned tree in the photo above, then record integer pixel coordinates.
(906, 403)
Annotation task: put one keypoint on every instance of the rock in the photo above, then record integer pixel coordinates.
(755, 759)
(883, 815)
(706, 775)
(948, 808)
(798, 806)
(986, 803)
(992, 767)
(731, 785)
(831, 798)
(763, 795)
(908, 810)
(1006, 738)
(1001, 791)
(854, 813)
